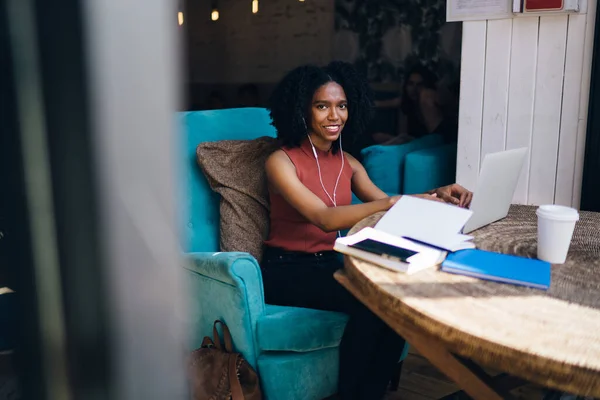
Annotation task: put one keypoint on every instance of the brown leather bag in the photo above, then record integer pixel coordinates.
(221, 374)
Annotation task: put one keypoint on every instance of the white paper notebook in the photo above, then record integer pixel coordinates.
(426, 256)
(430, 222)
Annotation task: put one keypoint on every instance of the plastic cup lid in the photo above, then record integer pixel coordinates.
(558, 213)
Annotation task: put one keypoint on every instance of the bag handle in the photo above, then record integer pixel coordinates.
(234, 381)
(226, 336)
(207, 342)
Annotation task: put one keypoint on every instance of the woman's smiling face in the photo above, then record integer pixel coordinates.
(328, 114)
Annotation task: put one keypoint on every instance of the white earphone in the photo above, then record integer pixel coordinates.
(337, 181)
(334, 198)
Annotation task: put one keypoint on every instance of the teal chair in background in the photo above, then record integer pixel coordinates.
(410, 168)
(437, 163)
(385, 164)
(294, 350)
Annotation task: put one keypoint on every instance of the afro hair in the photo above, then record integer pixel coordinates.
(290, 102)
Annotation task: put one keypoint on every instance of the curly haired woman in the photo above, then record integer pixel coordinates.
(311, 180)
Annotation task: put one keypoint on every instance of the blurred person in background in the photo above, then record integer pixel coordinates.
(425, 107)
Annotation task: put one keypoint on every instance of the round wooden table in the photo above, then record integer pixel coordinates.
(547, 337)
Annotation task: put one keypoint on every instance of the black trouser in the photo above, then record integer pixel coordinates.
(369, 350)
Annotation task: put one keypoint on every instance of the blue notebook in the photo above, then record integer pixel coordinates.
(499, 267)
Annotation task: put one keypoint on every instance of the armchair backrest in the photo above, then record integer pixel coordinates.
(200, 205)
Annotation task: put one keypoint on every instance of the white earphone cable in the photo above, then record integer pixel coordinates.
(334, 198)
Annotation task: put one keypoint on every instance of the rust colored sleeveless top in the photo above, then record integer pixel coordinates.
(289, 230)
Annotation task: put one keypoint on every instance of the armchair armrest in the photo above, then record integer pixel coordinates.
(223, 266)
(226, 286)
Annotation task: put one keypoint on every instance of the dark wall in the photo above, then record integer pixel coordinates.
(590, 190)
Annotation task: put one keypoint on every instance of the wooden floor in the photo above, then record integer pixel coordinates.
(422, 381)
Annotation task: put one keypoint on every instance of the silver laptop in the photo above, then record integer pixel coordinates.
(496, 186)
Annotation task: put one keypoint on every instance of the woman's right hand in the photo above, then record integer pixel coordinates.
(393, 200)
(427, 196)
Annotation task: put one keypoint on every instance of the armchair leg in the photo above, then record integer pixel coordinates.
(395, 380)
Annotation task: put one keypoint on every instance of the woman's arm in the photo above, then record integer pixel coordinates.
(282, 177)
(382, 137)
(403, 124)
(430, 109)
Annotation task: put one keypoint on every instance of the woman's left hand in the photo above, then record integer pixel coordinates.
(454, 194)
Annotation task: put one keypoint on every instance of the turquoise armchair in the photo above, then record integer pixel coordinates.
(294, 350)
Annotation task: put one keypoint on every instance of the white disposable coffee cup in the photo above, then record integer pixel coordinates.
(555, 230)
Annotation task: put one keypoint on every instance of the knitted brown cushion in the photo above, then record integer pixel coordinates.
(235, 169)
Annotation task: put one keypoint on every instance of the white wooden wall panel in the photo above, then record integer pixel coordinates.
(523, 68)
(495, 97)
(525, 83)
(547, 109)
(565, 171)
(471, 102)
